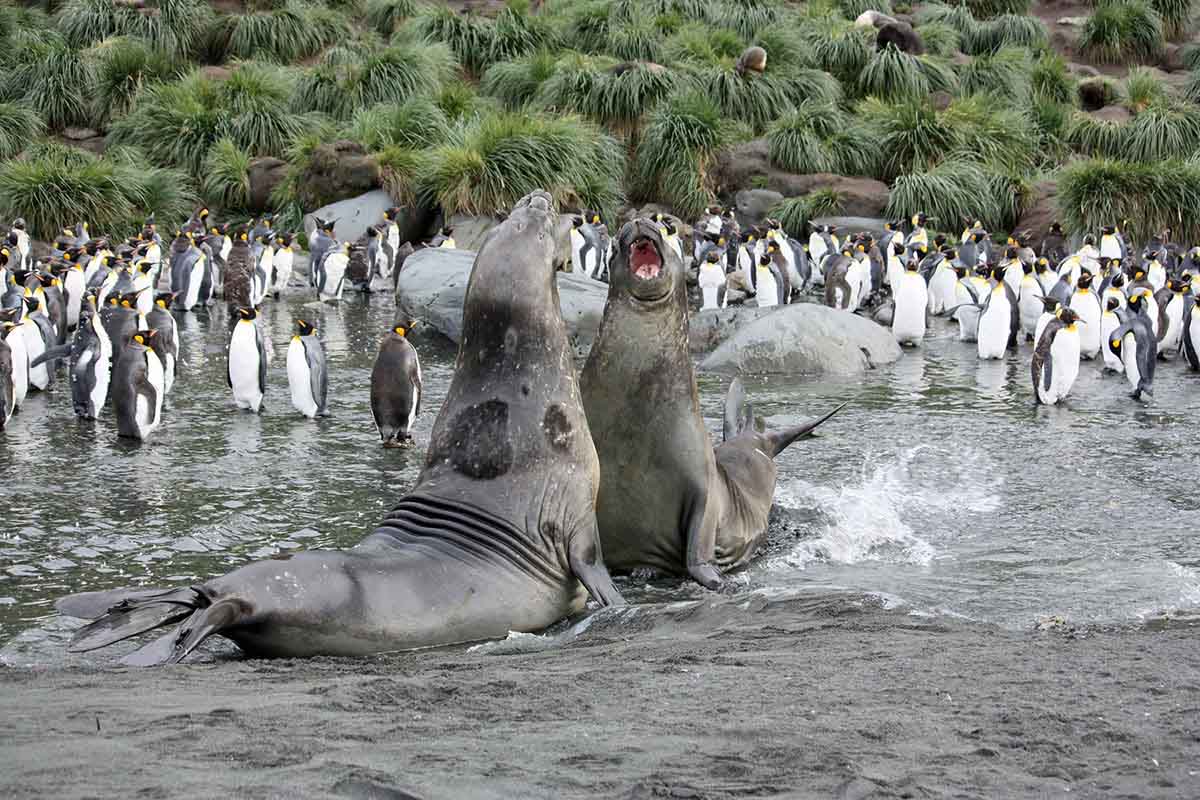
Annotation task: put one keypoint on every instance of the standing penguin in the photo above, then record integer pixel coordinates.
(1029, 301)
(604, 241)
(247, 364)
(942, 282)
(996, 322)
(332, 277)
(769, 283)
(8, 402)
(187, 274)
(1171, 301)
(15, 342)
(285, 257)
(307, 377)
(320, 244)
(585, 248)
(395, 388)
(90, 364)
(1137, 347)
(444, 238)
(39, 337)
(712, 281)
(1055, 362)
(1115, 290)
(54, 305)
(74, 285)
(166, 338)
(1054, 244)
(1191, 331)
(391, 238)
(1112, 244)
(239, 272)
(137, 388)
(1109, 322)
(912, 301)
(143, 284)
(1086, 305)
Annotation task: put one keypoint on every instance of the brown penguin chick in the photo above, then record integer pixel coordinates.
(753, 59)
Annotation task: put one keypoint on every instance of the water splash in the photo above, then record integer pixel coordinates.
(873, 519)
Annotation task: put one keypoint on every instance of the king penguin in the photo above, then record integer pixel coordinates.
(585, 249)
(1109, 322)
(39, 337)
(1191, 331)
(395, 388)
(1055, 362)
(307, 378)
(1171, 301)
(247, 364)
(332, 278)
(15, 340)
(1086, 305)
(1029, 301)
(8, 402)
(1136, 345)
(912, 301)
(137, 388)
(285, 257)
(996, 328)
(166, 338)
(712, 281)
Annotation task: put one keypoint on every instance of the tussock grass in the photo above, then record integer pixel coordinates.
(953, 190)
(291, 31)
(1006, 75)
(226, 180)
(617, 99)
(1051, 81)
(1122, 30)
(415, 124)
(1177, 16)
(122, 67)
(53, 78)
(1150, 195)
(385, 15)
(795, 213)
(1143, 89)
(396, 73)
(941, 39)
(1007, 30)
(822, 138)
(19, 125)
(515, 83)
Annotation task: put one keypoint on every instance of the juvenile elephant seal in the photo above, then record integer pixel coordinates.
(498, 534)
(668, 499)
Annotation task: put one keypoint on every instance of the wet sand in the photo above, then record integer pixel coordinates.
(812, 696)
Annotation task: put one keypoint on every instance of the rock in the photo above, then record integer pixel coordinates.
(336, 171)
(901, 36)
(1096, 93)
(941, 100)
(1073, 22)
(754, 205)
(353, 216)
(1082, 70)
(79, 134)
(1042, 211)
(92, 144)
(872, 225)
(433, 284)
(748, 165)
(469, 231)
(1172, 59)
(216, 73)
(1114, 114)
(708, 329)
(804, 338)
(264, 175)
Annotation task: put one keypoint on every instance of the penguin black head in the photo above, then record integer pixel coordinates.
(1085, 280)
(918, 220)
(1050, 305)
(1089, 240)
(1056, 228)
(203, 215)
(576, 222)
(243, 234)
(32, 304)
(1136, 300)
(1113, 304)
(247, 314)
(939, 240)
(19, 223)
(1185, 279)
(164, 299)
(764, 260)
(1011, 252)
(372, 232)
(912, 265)
(144, 267)
(1152, 255)
(712, 257)
(305, 328)
(129, 300)
(1069, 316)
(1026, 268)
(960, 271)
(447, 230)
(671, 229)
(1108, 230)
(897, 246)
(390, 213)
(143, 337)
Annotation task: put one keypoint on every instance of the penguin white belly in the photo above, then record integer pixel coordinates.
(1030, 306)
(816, 248)
(39, 376)
(335, 270)
(1047, 280)
(300, 379)
(1064, 356)
(1088, 309)
(712, 279)
(1110, 247)
(941, 289)
(74, 285)
(854, 281)
(102, 373)
(672, 240)
(148, 415)
(1172, 336)
(1193, 333)
(1110, 292)
(579, 259)
(283, 268)
(894, 270)
(20, 366)
(416, 390)
(766, 289)
(1012, 276)
(993, 328)
(967, 318)
(1152, 312)
(1129, 360)
(1108, 324)
(243, 367)
(1157, 276)
(908, 319)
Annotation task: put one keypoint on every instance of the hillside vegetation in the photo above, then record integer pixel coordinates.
(603, 102)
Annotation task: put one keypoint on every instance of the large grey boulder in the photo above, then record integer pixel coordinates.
(804, 338)
(433, 284)
(354, 215)
(708, 329)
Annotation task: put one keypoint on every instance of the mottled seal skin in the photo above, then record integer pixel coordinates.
(498, 535)
(669, 500)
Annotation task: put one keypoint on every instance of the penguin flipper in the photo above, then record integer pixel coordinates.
(317, 375)
(57, 352)
(262, 360)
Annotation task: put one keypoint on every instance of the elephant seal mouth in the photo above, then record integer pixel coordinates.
(644, 259)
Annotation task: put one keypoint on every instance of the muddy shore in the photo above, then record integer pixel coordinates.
(809, 696)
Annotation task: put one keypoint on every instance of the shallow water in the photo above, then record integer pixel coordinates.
(940, 489)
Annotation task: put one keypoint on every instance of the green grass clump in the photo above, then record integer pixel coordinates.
(57, 186)
(19, 126)
(1122, 30)
(394, 74)
(1143, 89)
(821, 138)
(1177, 16)
(255, 109)
(636, 38)
(838, 47)
(1149, 194)
(54, 79)
(743, 17)
(476, 41)
(852, 9)
(616, 99)
(175, 123)
(893, 75)
(322, 89)
(941, 39)
(385, 15)
(997, 135)
(1005, 74)
(909, 134)
(226, 180)
(415, 124)
(123, 66)
(985, 9)
(677, 150)
(283, 34)
(1051, 81)
(954, 190)
(515, 83)
(1164, 131)
(702, 46)
(1090, 136)
(795, 213)
(1191, 90)
(497, 158)
(1008, 30)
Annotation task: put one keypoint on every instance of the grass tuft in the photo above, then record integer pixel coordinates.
(123, 66)
(1150, 195)
(1122, 30)
(954, 190)
(795, 213)
(385, 15)
(19, 126)
(226, 180)
(415, 124)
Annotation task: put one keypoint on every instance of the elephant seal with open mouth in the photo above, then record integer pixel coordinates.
(498, 535)
(668, 499)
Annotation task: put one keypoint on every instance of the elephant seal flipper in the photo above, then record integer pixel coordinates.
(668, 499)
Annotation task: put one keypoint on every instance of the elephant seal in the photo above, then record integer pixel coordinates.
(668, 499)
(498, 534)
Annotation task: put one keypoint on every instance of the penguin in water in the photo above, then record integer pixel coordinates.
(74, 285)
(14, 340)
(239, 273)
(187, 275)
(53, 305)
(712, 281)
(396, 388)
(143, 284)
(1171, 301)
(1051, 308)
(912, 301)
(1086, 305)
(120, 320)
(39, 337)
(1190, 336)
(165, 342)
(1055, 364)
(585, 248)
(332, 278)
(1109, 322)
(391, 239)
(247, 363)
(8, 402)
(444, 238)
(319, 245)
(1029, 301)
(307, 377)
(998, 320)
(285, 257)
(1136, 345)
(769, 283)
(89, 363)
(137, 388)
(967, 306)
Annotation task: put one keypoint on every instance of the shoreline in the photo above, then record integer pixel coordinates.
(821, 695)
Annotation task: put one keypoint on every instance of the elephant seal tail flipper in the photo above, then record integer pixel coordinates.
(779, 441)
(739, 415)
